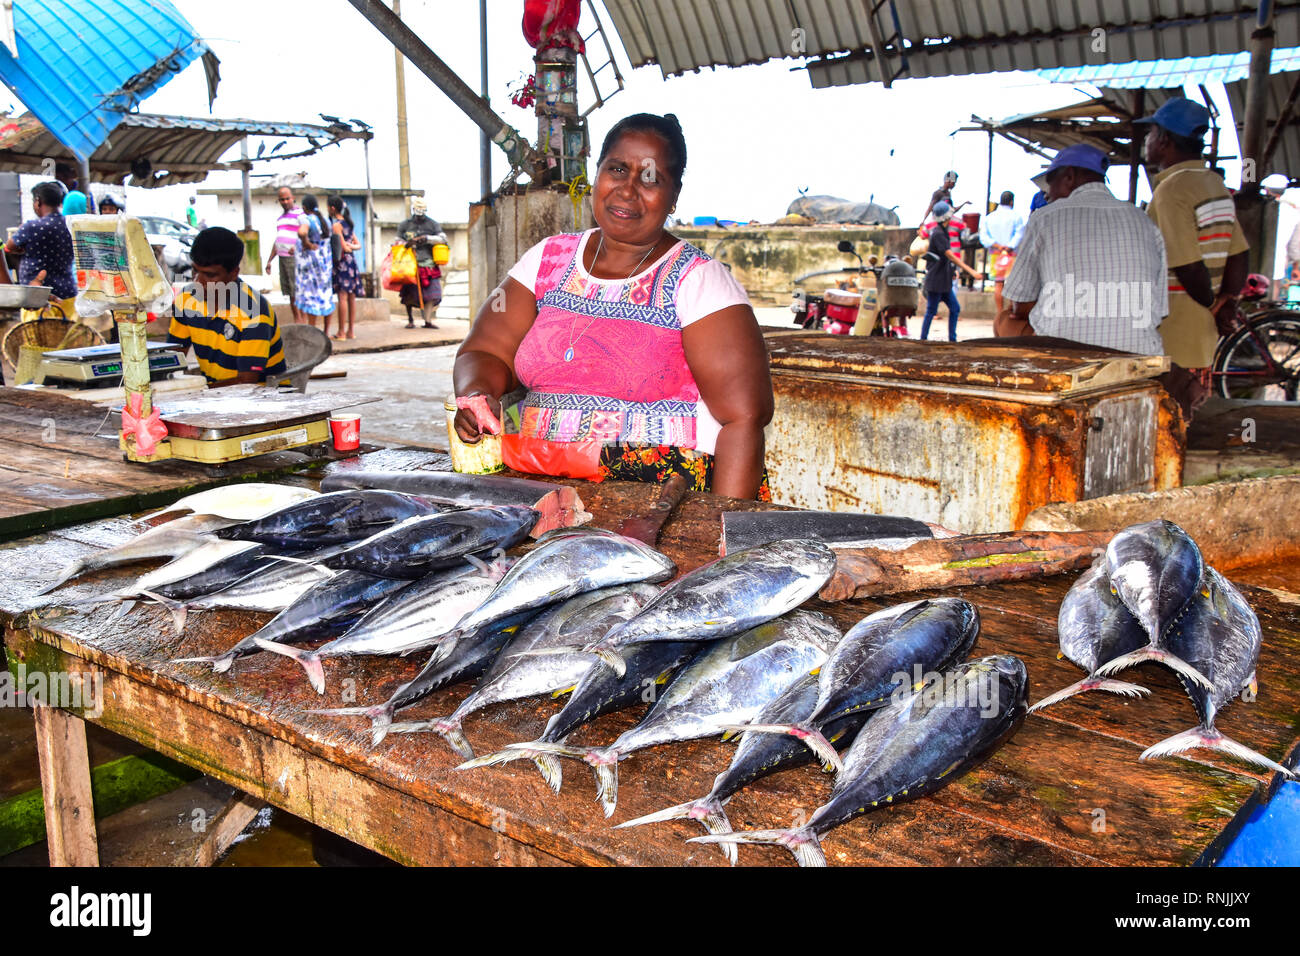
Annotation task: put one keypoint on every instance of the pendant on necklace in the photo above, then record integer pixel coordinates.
(568, 354)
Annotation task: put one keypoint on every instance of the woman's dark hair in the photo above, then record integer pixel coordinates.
(337, 203)
(310, 205)
(50, 193)
(665, 127)
(216, 246)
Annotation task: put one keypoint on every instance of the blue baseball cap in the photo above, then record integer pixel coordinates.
(1081, 155)
(941, 210)
(1180, 116)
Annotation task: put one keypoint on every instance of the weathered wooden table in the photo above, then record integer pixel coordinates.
(55, 471)
(1067, 790)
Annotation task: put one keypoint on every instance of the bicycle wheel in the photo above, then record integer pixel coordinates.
(1261, 361)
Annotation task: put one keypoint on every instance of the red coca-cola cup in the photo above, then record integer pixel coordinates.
(346, 429)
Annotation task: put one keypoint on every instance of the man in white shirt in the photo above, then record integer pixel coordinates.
(1000, 233)
(1089, 268)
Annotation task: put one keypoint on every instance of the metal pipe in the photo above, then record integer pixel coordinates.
(246, 184)
(414, 49)
(1255, 124)
(485, 142)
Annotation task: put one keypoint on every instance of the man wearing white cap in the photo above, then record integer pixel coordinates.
(1090, 268)
(420, 233)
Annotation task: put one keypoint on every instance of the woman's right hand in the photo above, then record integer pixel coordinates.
(467, 426)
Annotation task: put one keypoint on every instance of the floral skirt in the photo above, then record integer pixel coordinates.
(654, 463)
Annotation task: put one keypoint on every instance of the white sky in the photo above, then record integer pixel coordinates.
(755, 135)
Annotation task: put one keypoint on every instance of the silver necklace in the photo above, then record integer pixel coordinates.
(568, 353)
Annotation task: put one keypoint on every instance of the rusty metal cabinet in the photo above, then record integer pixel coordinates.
(972, 437)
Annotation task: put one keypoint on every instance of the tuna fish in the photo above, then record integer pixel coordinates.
(1156, 570)
(726, 684)
(273, 586)
(415, 617)
(913, 746)
(1220, 636)
(725, 597)
(324, 611)
(568, 625)
(417, 546)
(881, 654)
(336, 518)
(168, 540)
(567, 564)
(1094, 627)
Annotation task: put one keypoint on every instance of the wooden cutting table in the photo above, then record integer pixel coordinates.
(1067, 790)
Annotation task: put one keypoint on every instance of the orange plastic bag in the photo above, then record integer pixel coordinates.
(559, 459)
(402, 269)
(386, 274)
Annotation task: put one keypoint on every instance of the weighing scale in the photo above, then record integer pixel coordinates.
(100, 366)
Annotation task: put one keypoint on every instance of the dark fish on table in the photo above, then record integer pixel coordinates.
(883, 654)
(1155, 569)
(324, 611)
(760, 754)
(1094, 627)
(272, 586)
(1220, 636)
(336, 518)
(418, 546)
(568, 625)
(727, 683)
(725, 597)
(416, 617)
(913, 746)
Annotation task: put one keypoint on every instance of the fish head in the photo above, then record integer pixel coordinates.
(1155, 569)
(1219, 634)
(1093, 625)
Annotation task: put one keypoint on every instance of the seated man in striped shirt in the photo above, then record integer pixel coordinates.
(231, 326)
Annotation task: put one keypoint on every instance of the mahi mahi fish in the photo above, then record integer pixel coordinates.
(725, 597)
(881, 654)
(1220, 636)
(1094, 627)
(335, 518)
(567, 626)
(913, 746)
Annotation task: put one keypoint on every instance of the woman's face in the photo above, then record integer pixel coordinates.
(634, 190)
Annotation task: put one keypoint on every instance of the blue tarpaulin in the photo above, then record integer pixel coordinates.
(82, 65)
(1159, 74)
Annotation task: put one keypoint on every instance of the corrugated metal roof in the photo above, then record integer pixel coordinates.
(1223, 68)
(938, 37)
(81, 65)
(177, 149)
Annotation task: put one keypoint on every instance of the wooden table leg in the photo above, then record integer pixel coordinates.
(65, 784)
(233, 819)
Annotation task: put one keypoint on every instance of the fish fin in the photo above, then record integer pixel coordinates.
(542, 652)
(307, 659)
(444, 727)
(562, 691)
(1160, 656)
(803, 844)
(1252, 684)
(1091, 683)
(1209, 738)
(707, 811)
(220, 663)
(548, 764)
(479, 564)
(811, 737)
(381, 718)
(123, 609)
(328, 572)
(178, 610)
(607, 785)
(610, 658)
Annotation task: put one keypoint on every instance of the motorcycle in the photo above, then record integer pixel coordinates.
(841, 311)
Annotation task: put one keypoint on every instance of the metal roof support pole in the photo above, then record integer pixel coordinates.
(403, 149)
(370, 212)
(1135, 145)
(83, 177)
(877, 43)
(485, 144)
(417, 51)
(1261, 58)
(246, 184)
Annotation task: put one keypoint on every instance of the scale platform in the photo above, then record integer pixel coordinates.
(242, 421)
(100, 366)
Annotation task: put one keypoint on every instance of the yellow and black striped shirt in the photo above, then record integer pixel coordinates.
(232, 331)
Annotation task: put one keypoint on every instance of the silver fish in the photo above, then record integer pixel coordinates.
(241, 501)
(1094, 627)
(1220, 636)
(725, 597)
(272, 589)
(1155, 569)
(727, 684)
(914, 746)
(569, 625)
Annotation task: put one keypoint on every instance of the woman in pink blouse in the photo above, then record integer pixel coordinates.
(639, 354)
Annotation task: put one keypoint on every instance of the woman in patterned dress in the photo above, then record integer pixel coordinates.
(347, 280)
(313, 270)
(639, 354)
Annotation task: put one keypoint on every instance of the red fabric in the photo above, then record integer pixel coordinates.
(147, 431)
(553, 23)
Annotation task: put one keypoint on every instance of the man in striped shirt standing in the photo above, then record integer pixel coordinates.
(285, 247)
(1203, 239)
(230, 326)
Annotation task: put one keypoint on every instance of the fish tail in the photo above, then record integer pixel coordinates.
(605, 763)
(178, 609)
(1209, 738)
(307, 659)
(1160, 656)
(805, 846)
(67, 574)
(446, 728)
(707, 811)
(544, 755)
(220, 663)
(811, 737)
(1091, 683)
(381, 718)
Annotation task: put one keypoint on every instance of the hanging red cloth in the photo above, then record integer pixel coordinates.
(553, 23)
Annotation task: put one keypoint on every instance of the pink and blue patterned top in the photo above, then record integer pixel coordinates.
(604, 358)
